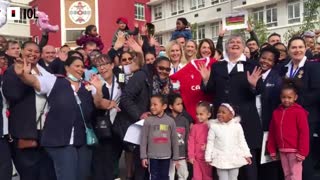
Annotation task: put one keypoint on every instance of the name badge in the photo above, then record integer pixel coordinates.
(240, 67)
(121, 78)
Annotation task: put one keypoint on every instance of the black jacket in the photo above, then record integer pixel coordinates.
(235, 89)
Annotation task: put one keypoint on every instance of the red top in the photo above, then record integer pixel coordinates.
(289, 131)
(197, 141)
(190, 82)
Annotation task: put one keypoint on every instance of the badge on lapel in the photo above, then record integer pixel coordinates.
(300, 74)
(88, 87)
(240, 68)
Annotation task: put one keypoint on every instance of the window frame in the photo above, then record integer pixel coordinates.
(157, 12)
(294, 5)
(139, 8)
(272, 9)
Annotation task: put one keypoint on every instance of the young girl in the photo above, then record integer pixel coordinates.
(197, 143)
(182, 29)
(289, 132)
(182, 127)
(123, 26)
(227, 149)
(159, 142)
(90, 35)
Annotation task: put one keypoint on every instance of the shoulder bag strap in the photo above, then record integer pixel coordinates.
(41, 113)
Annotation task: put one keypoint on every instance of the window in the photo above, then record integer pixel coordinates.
(177, 6)
(272, 19)
(258, 14)
(139, 11)
(201, 32)
(158, 12)
(159, 39)
(72, 35)
(215, 28)
(217, 1)
(196, 3)
(23, 20)
(293, 11)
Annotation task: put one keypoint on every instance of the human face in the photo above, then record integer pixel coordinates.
(317, 49)
(288, 97)
(282, 50)
(179, 25)
(224, 114)
(31, 53)
(76, 69)
(235, 47)
(150, 58)
(163, 69)
(105, 69)
(157, 107)
(274, 39)
(122, 25)
(3, 43)
(48, 54)
(203, 114)
(205, 50)
(89, 48)
(247, 52)
(177, 106)
(297, 50)
(126, 59)
(3, 62)
(266, 61)
(175, 53)
(13, 50)
(309, 42)
(181, 41)
(190, 50)
(253, 46)
(93, 31)
(65, 50)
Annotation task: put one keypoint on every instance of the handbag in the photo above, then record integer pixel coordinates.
(31, 143)
(91, 137)
(103, 126)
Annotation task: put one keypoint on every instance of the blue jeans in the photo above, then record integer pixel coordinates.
(70, 162)
(159, 169)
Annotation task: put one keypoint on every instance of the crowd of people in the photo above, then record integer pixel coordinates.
(206, 107)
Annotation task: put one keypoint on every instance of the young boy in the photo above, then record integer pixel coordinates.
(182, 123)
(158, 140)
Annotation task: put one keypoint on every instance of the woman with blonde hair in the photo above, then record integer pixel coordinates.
(176, 55)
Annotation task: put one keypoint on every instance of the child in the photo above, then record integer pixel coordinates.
(197, 143)
(182, 29)
(227, 149)
(289, 132)
(90, 35)
(159, 142)
(123, 26)
(182, 127)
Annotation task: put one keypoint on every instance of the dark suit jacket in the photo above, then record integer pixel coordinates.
(235, 89)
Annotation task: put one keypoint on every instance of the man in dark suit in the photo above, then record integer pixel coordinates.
(230, 81)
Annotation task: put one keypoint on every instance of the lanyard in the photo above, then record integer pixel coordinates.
(175, 69)
(112, 87)
(293, 73)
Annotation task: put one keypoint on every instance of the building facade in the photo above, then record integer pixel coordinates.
(73, 16)
(207, 15)
(18, 30)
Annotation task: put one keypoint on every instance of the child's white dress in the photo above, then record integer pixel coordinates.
(226, 146)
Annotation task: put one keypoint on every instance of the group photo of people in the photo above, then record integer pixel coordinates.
(209, 111)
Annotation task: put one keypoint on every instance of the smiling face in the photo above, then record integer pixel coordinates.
(126, 58)
(190, 50)
(157, 108)
(203, 114)
(163, 69)
(105, 69)
(274, 39)
(288, 97)
(224, 114)
(205, 50)
(31, 53)
(266, 61)
(235, 47)
(76, 68)
(297, 50)
(175, 53)
(253, 46)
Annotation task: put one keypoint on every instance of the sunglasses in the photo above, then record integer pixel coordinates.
(126, 59)
(161, 68)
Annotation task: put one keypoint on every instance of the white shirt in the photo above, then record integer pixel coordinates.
(4, 115)
(46, 84)
(115, 97)
(174, 70)
(301, 64)
(231, 64)
(258, 97)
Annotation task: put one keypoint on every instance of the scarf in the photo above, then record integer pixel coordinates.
(163, 87)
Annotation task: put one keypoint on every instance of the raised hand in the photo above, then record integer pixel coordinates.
(96, 81)
(134, 45)
(205, 72)
(152, 41)
(249, 28)
(222, 31)
(121, 39)
(254, 76)
(140, 40)
(249, 160)
(18, 66)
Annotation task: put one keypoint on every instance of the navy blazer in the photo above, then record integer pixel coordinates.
(22, 106)
(235, 89)
(269, 89)
(1, 106)
(309, 94)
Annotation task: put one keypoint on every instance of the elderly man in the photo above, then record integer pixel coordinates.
(48, 55)
(230, 82)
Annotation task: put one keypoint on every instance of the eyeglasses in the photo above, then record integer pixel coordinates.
(126, 59)
(102, 64)
(161, 68)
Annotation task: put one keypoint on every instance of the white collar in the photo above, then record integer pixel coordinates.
(206, 64)
(180, 65)
(241, 58)
(265, 74)
(301, 63)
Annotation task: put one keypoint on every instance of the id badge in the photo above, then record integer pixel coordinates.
(121, 78)
(240, 68)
